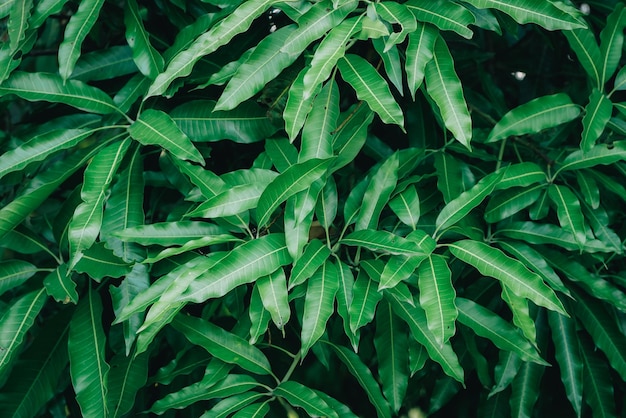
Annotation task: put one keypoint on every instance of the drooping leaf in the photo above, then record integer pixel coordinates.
(60, 286)
(257, 410)
(597, 386)
(391, 62)
(381, 184)
(588, 187)
(18, 22)
(583, 43)
(233, 403)
(301, 396)
(298, 107)
(521, 175)
(444, 15)
(127, 376)
(314, 255)
(569, 211)
(611, 42)
(600, 154)
(232, 201)
(597, 114)
(525, 389)
(437, 297)
(505, 371)
(365, 298)
(521, 315)
(396, 14)
(506, 204)
(273, 292)
(419, 52)
(449, 174)
(397, 269)
(105, 64)
(406, 206)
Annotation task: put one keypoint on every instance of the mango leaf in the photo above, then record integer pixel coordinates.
(257, 410)
(458, 208)
(104, 64)
(419, 52)
(88, 366)
(505, 371)
(536, 115)
(14, 273)
(521, 175)
(51, 88)
(298, 107)
(301, 396)
(406, 206)
(597, 114)
(599, 220)
(397, 269)
(238, 21)
(232, 404)
(598, 386)
(398, 14)
(282, 153)
(365, 298)
(128, 94)
(504, 205)
(76, 31)
(521, 316)
(154, 127)
(316, 141)
(170, 233)
(437, 297)
(391, 62)
(18, 22)
(273, 292)
(600, 154)
(569, 212)
(583, 43)
(444, 87)
(232, 201)
(351, 135)
(128, 374)
(344, 299)
(545, 14)
(381, 184)
(525, 389)
(326, 207)
(449, 171)
(148, 60)
(318, 304)
(244, 264)
(222, 344)
(365, 378)
(489, 325)
(371, 88)
(494, 263)
(264, 63)
(60, 286)
(295, 179)
(588, 187)
(314, 255)
(99, 262)
(386, 242)
(444, 15)
(611, 41)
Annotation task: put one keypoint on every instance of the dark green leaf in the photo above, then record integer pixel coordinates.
(303, 397)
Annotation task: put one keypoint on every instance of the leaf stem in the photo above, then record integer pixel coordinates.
(292, 368)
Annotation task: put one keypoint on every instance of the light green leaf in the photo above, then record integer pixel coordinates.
(351, 135)
(14, 273)
(222, 344)
(597, 114)
(273, 292)
(99, 262)
(520, 314)
(316, 141)
(157, 128)
(445, 15)
(386, 242)
(318, 304)
(326, 207)
(76, 31)
(391, 62)
(521, 175)
(583, 43)
(344, 299)
(232, 201)
(282, 153)
(364, 376)
(314, 255)
(127, 376)
(399, 14)
(371, 87)
(232, 404)
(60, 286)
(365, 298)
(88, 367)
(540, 12)
(244, 264)
(397, 269)
(406, 206)
(494, 263)
(601, 154)
(437, 297)
(301, 396)
(444, 87)
(381, 184)
(588, 187)
(257, 410)
(148, 60)
(569, 212)
(536, 115)
(611, 41)
(462, 205)
(506, 204)
(238, 21)
(298, 107)
(50, 88)
(18, 22)
(296, 178)
(419, 52)
(489, 325)
(170, 233)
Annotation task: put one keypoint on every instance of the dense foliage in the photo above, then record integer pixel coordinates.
(324, 208)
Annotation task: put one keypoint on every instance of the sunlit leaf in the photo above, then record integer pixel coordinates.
(583, 43)
(444, 15)
(398, 14)
(597, 114)
(148, 60)
(273, 291)
(303, 397)
(381, 184)
(437, 297)
(316, 140)
(14, 273)
(569, 212)
(386, 242)
(418, 53)
(611, 41)
(365, 298)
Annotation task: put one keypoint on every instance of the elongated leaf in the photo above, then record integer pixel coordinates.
(170, 233)
(318, 304)
(449, 170)
(597, 387)
(99, 262)
(437, 297)
(60, 286)
(505, 371)
(588, 187)
(600, 154)
(76, 31)
(314, 255)
(569, 212)
(18, 22)
(599, 221)
(521, 175)
(489, 325)
(536, 115)
(391, 62)
(525, 389)
(222, 344)
(521, 316)
(397, 269)
(298, 107)
(232, 201)
(382, 183)
(504, 205)
(273, 291)
(444, 15)
(583, 43)
(542, 13)
(128, 374)
(397, 14)
(611, 41)
(494, 263)
(282, 153)
(15, 272)
(418, 53)
(406, 206)
(295, 179)
(365, 298)
(148, 60)
(257, 410)
(444, 87)
(51, 88)
(88, 366)
(597, 114)
(229, 405)
(371, 87)
(458, 208)
(156, 128)
(316, 141)
(181, 64)
(244, 264)
(303, 397)
(388, 243)
(104, 64)
(364, 376)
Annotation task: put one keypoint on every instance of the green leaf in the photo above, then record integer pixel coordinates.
(104, 64)
(88, 366)
(449, 170)
(536, 115)
(398, 14)
(156, 128)
(489, 325)
(599, 221)
(282, 153)
(521, 175)
(444, 87)
(542, 13)
(273, 291)
(525, 389)
(301, 396)
(170, 233)
(588, 187)
(60, 286)
(406, 206)
(419, 52)
(18, 22)
(99, 262)
(298, 107)
(601, 154)
(583, 43)
(444, 15)
(238, 21)
(397, 269)
(232, 404)
(51, 88)
(437, 297)
(316, 141)
(392, 352)
(462, 205)
(232, 201)
(15, 322)
(296, 178)
(13, 273)
(222, 344)
(598, 386)
(318, 304)
(257, 410)
(381, 184)
(365, 298)
(76, 31)
(597, 114)
(391, 62)
(522, 318)
(371, 87)
(388, 243)
(513, 274)
(611, 41)
(127, 376)
(148, 60)
(314, 255)
(569, 212)
(506, 204)
(505, 371)
(364, 376)
(326, 207)
(244, 264)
